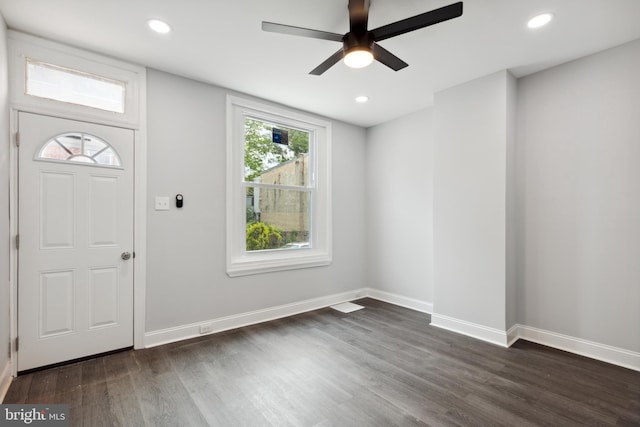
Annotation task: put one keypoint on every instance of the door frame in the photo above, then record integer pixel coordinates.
(140, 181)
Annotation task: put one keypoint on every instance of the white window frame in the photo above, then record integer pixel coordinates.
(241, 262)
(24, 47)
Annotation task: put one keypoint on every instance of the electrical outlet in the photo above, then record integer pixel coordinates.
(162, 203)
(205, 328)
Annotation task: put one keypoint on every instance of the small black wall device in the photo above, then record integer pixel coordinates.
(179, 201)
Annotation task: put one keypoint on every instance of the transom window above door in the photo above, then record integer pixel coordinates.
(62, 81)
(79, 147)
(62, 84)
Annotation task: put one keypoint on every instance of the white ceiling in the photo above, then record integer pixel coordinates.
(221, 42)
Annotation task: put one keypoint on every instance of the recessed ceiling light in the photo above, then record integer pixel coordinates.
(540, 20)
(362, 99)
(159, 26)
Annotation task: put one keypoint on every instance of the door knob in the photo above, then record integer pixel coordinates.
(125, 255)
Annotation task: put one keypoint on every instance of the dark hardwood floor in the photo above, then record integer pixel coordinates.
(381, 366)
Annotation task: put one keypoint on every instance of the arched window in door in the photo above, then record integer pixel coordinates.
(79, 147)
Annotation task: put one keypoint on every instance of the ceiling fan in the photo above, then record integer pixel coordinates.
(360, 45)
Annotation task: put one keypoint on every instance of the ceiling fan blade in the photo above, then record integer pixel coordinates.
(387, 58)
(330, 62)
(358, 16)
(416, 22)
(299, 31)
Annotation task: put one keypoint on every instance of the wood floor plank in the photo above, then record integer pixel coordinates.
(19, 390)
(69, 390)
(163, 399)
(96, 401)
(42, 387)
(380, 366)
(213, 387)
(124, 407)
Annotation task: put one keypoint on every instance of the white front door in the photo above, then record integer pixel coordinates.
(75, 280)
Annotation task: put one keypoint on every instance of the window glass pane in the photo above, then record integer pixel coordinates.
(62, 84)
(107, 158)
(81, 159)
(275, 154)
(72, 142)
(277, 218)
(54, 151)
(93, 145)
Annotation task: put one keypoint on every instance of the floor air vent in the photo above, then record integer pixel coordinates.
(347, 307)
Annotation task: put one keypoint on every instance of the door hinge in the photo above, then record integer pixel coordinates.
(17, 344)
(17, 241)
(17, 139)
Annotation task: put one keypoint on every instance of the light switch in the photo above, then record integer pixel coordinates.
(162, 203)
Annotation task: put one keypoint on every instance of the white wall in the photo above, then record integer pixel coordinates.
(399, 207)
(470, 201)
(186, 281)
(5, 238)
(579, 198)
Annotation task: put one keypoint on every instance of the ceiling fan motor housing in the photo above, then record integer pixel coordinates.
(352, 41)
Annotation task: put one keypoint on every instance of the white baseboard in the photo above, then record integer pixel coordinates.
(484, 333)
(5, 380)
(513, 334)
(606, 353)
(178, 333)
(402, 301)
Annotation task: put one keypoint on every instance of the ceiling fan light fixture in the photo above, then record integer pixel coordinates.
(358, 58)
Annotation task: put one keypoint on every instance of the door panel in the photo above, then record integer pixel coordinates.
(103, 214)
(75, 292)
(57, 297)
(103, 297)
(57, 210)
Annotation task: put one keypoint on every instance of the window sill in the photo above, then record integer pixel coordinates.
(259, 263)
